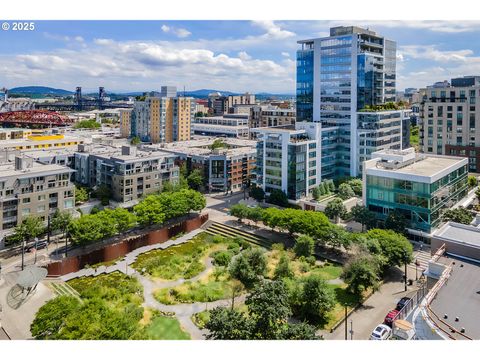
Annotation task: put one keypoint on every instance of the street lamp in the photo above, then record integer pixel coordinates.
(23, 252)
(416, 269)
(66, 243)
(36, 243)
(48, 229)
(405, 260)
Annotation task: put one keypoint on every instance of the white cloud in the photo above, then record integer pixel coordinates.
(285, 54)
(273, 31)
(442, 26)
(179, 32)
(431, 52)
(120, 64)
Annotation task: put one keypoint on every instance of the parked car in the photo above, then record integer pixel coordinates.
(381, 332)
(390, 317)
(402, 302)
(40, 245)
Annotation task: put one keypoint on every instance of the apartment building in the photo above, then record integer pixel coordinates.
(420, 186)
(228, 125)
(227, 168)
(30, 188)
(450, 120)
(163, 119)
(125, 123)
(234, 100)
(339, 75)
(289, 158)
(128, 171)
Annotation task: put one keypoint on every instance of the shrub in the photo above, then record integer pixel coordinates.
(222, 258)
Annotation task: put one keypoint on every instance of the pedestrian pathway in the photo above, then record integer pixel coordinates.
(183, 312)
(124, 264)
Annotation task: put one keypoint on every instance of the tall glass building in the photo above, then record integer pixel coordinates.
(336, 77)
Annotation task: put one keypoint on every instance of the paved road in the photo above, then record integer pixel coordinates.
(373, 311)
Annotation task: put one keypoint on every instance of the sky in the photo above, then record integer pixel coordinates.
(239, 56)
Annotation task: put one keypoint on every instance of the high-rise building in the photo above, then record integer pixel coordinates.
(163, 119)
(337, 76)
(450, 117)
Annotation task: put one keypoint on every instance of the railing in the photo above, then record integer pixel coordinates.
(411, 304)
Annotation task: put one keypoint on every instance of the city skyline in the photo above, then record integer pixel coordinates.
(256, 56)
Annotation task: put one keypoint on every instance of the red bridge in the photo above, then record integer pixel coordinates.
(34, 117)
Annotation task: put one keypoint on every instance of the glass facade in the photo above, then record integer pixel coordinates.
(305, 83)
(422, 204)
(337, 69)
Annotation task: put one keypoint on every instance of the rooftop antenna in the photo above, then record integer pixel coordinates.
(183, 90)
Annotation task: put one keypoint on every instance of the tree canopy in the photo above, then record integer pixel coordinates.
(459, 215)
(335, 209)
(360, 274)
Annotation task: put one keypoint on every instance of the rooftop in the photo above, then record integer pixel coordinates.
(407, 165)
(201, 147)
(459, 233)
(8, 170)
(460, 297)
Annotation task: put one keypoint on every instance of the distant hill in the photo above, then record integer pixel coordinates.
(205, 92)
(39, 90)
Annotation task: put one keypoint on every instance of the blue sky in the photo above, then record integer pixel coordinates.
(227, 55)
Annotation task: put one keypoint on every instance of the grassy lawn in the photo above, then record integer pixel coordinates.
(215, 286)
(163, 327)
(327, 271)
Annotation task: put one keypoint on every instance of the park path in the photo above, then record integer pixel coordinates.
(183, 312)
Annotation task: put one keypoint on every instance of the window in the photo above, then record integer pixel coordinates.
(40, 208)
(41, 197)
(25, 212)
(26, 200)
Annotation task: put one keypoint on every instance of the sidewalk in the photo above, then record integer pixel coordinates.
(374, 309)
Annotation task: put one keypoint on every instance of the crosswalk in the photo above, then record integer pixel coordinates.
(422, 257)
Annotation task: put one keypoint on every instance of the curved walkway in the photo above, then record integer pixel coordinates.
(166, 284)
(183, 312)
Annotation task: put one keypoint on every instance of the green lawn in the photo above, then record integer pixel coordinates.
(328, 271)
(165, 328)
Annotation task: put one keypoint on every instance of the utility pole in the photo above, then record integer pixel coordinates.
(405, 260)
(346, 323)
(351, 329)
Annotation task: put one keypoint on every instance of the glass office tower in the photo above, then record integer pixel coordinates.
(339, 75)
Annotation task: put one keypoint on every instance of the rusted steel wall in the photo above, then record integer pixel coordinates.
(120, 249)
